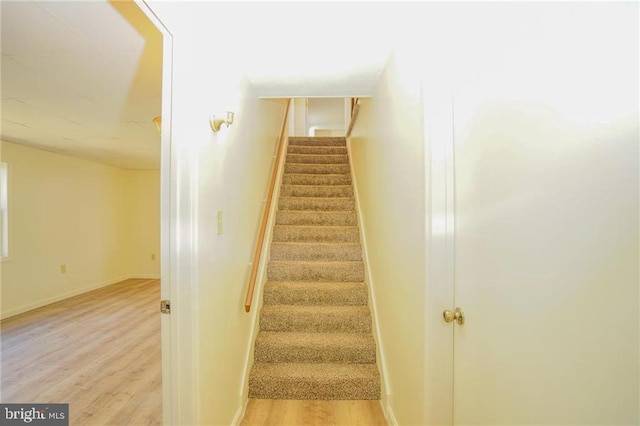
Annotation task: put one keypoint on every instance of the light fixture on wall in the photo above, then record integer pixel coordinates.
(158, 121)
(216, 123)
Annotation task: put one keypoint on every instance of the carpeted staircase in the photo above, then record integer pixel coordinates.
(315, 339)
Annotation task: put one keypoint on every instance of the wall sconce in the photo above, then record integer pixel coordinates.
(216, 123)
(158, 121)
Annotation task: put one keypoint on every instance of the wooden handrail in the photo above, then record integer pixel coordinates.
(265, 214)
(355, 109)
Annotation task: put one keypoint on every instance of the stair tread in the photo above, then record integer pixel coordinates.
(318, 212)
(299, 158)
(317, 169)
(306, 166)
(316, 263)
(329, 371)
(313, 244)
(316, 233)
(318, 227)
(337, 175)
(291, 185)
(313, 141)
(316, 284)
(327, 381)
(317, 309)
(315, 179)
(318, 155)
(320, 340)
(297, 347)
(313, 293)
(316, 318)
(310, 149)
(317, 198)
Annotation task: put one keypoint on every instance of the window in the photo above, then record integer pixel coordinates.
(4, 213)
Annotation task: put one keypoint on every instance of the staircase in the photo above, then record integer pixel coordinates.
(315, 339)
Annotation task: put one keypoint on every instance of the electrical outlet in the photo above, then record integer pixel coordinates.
(63, 269)
(153, 256)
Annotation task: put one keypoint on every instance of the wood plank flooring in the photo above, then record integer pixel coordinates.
(280, 412)
(99, 352)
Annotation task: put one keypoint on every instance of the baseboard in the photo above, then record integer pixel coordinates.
(40, 303)
(389, 415)
(144, 277)
(386, 388)
(240, 413)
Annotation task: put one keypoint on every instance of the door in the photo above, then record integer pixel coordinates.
(546, 265)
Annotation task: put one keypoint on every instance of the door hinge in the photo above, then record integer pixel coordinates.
(165, 306)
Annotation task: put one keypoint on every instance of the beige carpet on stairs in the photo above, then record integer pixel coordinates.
(315, 339)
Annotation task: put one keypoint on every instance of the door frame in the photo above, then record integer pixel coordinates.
(439, 169)
(171, 353)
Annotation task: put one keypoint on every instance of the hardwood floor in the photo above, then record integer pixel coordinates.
(99, 352)
(278, 412)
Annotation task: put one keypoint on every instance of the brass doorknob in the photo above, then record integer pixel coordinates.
(450, 316)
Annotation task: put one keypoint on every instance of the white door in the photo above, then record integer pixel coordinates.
(546, 260)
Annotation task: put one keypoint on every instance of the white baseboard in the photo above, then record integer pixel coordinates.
(390, 415)
(386, 387)
(40, 303)
(240, 413)
(144, 276)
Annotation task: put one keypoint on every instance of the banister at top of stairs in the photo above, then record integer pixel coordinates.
(355, 109)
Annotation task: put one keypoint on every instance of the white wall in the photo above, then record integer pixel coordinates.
(142, 198)
(298, 126)
(63, 210)
(327, 116)
(227, 172)
(387, 153)
(235, 183)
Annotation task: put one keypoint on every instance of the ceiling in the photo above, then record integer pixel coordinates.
(83, 78)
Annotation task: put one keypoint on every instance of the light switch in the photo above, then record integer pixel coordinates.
(219, 222)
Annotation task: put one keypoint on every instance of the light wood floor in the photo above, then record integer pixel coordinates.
(99, 352)
(275, 412)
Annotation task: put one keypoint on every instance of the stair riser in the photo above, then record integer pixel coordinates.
(318, 169)
(316, 159)
(317, 150)
(304, 389)
(294, 271)
(289, 217)
(317, 204)
(305, 141)
(311, 179)
(274, 295)
(316, 191)
(315, 234)
(317, 355)
(318, 323)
